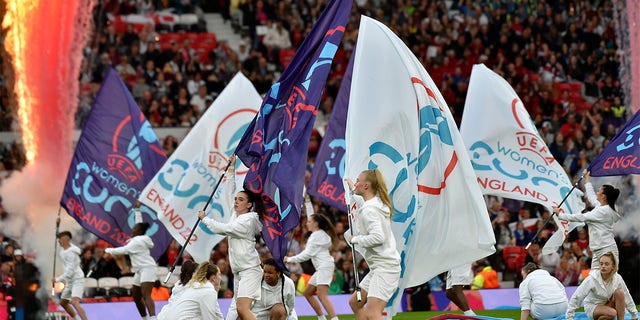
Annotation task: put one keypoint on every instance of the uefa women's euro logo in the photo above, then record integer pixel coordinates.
(125, 158)
(528, 139)
(228, 134)
(434, 162)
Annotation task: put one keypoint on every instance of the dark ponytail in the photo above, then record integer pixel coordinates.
(144, 226)
(611, 194)
(257, 205)
(324, 223)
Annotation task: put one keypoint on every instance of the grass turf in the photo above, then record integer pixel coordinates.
(506, 313)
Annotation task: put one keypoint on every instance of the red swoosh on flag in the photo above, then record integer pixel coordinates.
(116, 134)
(443, 184)
(429, 91)
(514, 102)
(332, 31)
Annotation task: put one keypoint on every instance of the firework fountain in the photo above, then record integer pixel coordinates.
(627, 15)
(44, 41)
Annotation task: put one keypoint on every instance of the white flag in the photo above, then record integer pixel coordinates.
(183, 185)
(399, 122)
(507, 152)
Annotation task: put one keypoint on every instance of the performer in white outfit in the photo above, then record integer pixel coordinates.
(322, 237)
(142, 264)
(372, 236)
(599, 221)
(542, 296)
(604, 293)
(457, 278)
(199, 299)
(278, 295)
(186, 272)
(248, 209)
(73, 277)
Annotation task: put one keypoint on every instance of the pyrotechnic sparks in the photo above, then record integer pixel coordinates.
(44, 40)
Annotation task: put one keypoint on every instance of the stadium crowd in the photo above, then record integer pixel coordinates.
(561, 57)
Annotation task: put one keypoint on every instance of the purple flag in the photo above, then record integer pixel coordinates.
(622, 155)
(117, 155)
(274, 147)
(328, 172)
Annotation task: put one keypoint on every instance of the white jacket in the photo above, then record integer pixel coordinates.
(317, 249)
(594, 291)
(176, 292)
(199, 301)
(138, 248)
(541, 288)
(372, 232)
(241, 231)
(272, 295)
(600, 221)
(71, 261)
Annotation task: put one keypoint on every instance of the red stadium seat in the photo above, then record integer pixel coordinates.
(533, 77)
(286, 55)
(514, 257)
(191, 36)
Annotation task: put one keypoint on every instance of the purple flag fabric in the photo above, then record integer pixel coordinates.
(622, 155)
(116, 156)
(328, 172)
(274, 147)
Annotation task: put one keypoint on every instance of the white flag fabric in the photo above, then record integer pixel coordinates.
(399, 123)
(509, 156)
(183, 185)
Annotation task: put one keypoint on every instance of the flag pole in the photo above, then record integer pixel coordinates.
(535, 236)
(173, 267)
(353, 257)
(55, 252)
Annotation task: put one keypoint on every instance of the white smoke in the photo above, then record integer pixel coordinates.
(31, 197)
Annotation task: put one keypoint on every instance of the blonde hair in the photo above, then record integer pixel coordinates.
(203, 273)
(376, 179)
(614, 261)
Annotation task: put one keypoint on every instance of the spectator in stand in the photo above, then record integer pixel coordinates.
(486, 277)
(160, 292)
(277, 38)
(567, 270)
(534, 253)
(549, 261)
(541, 295)
(199, 101)
(610, 90)
(124, 69)
(521, 235)
(87, 262)
(226, 279)
(583, 238)
(591, 89)
(7, 256)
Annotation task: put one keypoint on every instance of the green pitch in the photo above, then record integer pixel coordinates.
(510, 314)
